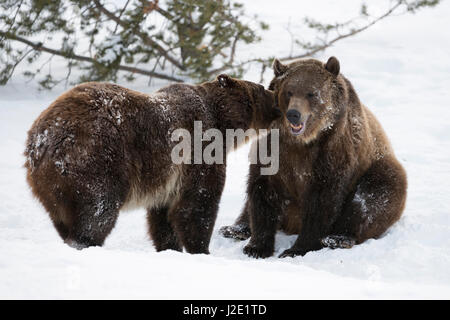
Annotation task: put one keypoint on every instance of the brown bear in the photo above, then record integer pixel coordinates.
(100, 148)
(339, 182)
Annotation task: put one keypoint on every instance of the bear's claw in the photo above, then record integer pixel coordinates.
(291, 253)
(337, 241)
(257, 252)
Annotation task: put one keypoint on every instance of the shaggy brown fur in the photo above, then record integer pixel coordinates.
(100, 148)
(339, 182)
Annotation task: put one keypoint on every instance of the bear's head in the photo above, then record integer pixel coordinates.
(244, 104)
(310, 94)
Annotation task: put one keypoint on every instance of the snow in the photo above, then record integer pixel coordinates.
(114, 48)
(401, 71)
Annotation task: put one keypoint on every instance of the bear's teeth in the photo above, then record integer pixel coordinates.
(299, 127)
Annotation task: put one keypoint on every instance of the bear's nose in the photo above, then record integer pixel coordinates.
(293, 116)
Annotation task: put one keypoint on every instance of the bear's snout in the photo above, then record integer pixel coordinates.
(293, 116)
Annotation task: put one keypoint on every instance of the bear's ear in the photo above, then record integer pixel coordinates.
(333, 66)
(225, 80)
(278, 68)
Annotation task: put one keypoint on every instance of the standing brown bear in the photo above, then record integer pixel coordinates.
(339, 182)
(100, 148)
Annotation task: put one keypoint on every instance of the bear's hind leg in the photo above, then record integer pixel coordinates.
(160, 230)
(92, 222)
(62, 229)
(194, 213)
(376, 204)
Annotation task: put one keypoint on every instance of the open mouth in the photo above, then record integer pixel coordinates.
(297, 129)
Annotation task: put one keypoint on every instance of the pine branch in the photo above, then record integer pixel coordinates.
(120, 15)
(313, 51)
(144, 37)
(40, 47)
(341, 37)
(233, 48)
(165, 14)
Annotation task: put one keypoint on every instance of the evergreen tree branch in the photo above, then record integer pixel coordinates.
(145, 38)
(351, 33)
(313, 50)
(40, 47)
(120, 15)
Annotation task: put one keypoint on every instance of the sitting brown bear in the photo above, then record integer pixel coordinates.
(339, 182)
(101, 147)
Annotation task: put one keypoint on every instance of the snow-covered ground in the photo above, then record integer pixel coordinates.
(401, 70)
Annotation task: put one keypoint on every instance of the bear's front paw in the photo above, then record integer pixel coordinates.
(255, 251)
(338, 241)
(292, 253)
(237, 232)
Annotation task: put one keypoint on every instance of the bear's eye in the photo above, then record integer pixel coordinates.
(310, 94)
